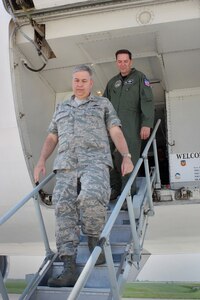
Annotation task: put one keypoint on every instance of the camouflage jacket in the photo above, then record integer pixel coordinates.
(83, 132)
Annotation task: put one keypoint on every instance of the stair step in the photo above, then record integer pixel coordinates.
(46, 293)
(83, 251)
(122, 218)
(119, 234)
(99, 276)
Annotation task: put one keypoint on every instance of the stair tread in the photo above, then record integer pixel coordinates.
(85, 289)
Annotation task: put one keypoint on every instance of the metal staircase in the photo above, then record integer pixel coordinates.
(121, 239)
(98, 283)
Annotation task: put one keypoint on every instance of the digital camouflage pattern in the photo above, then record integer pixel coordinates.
(83, 153)
(89, 205)
(83, 132)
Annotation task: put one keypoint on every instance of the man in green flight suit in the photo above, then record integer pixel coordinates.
(131, 95)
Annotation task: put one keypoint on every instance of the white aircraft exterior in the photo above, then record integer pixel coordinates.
(164, 39)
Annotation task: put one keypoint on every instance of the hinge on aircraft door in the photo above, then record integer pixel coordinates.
(21, 4)
(42, 46)
(39, 38)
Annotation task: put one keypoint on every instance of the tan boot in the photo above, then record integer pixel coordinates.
(92, 243)
(69, 275)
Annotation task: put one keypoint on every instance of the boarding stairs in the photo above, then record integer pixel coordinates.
(121, 239)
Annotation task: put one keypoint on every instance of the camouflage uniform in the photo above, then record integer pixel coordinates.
(83, 154)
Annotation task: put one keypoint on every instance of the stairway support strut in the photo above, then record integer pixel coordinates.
(3, 289)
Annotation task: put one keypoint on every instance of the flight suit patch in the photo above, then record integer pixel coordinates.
(118, 83)
(129, 81)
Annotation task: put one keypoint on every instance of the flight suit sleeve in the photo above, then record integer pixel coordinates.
(106, 93)
(146, 103)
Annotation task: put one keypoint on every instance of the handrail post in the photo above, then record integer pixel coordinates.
(42, 226)
(111, 270)
(3, 288)
(155, 152)
(146, 149)
(148, 181)
(137, 249)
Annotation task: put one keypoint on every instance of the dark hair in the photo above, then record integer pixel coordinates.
(82, 68)
(123, 51)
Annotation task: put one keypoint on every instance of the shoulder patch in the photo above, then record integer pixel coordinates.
(146, 82)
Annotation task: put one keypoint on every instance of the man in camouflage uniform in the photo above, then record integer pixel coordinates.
(80, 126)
(131, 95)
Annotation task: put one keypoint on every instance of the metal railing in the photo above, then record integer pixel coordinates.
(104, 237)
(13, 211)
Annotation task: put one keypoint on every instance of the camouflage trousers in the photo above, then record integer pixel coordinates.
(80, 197)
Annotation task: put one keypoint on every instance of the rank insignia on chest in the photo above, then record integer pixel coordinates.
(118, 83)
(129, 81)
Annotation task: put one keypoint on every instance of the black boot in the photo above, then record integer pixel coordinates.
(69, 275)
(114, 194)
(92, 243)
(124, 206)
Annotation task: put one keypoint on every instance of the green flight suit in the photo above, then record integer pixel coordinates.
(132, 99)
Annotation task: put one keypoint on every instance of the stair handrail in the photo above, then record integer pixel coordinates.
(33, 194)
(12, 212)
(126, 194)
(109, 224)
(150, 141)
(24, 200)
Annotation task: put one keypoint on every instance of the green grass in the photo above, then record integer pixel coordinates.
(164, 290)
(167, 290)
(15, 286)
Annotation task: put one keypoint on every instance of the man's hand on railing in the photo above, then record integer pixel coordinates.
(126, 166)
(39, 168)
(145, 132)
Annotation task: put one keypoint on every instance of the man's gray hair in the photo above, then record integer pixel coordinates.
(80, 68)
